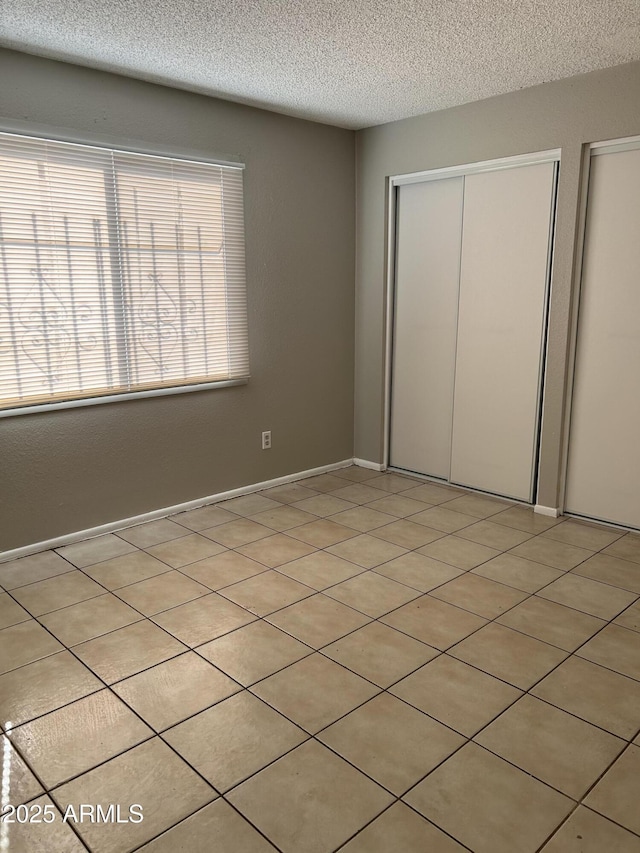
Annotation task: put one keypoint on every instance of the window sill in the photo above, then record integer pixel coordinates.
(117, 398)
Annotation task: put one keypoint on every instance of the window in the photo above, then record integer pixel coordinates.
(119, 273)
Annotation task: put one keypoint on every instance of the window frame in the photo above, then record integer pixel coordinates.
(127, 146)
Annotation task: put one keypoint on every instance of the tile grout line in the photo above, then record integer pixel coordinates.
(364, 570)
(580, 802)
(319, 650)
(143, 616)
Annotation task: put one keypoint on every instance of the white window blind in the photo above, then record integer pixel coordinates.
(119, 272)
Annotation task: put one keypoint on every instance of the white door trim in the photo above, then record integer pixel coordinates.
(612, 146)
(390, 290)
(550, 156)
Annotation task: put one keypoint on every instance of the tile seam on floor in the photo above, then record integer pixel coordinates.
(380, 690)
(310, 736)
(123, 752)
(377, 619)
(539, 849)
(415, 811)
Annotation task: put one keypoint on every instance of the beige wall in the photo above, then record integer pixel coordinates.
(70, 470)
(564, 114)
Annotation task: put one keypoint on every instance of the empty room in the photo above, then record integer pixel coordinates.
(319, 418)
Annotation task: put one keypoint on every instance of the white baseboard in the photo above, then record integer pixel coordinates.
(79, 535)
(551, 511)
(373, 466)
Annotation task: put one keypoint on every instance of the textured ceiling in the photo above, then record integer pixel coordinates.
(353, 63)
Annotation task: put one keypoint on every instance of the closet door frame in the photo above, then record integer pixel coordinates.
(393, 183)
(590, 150)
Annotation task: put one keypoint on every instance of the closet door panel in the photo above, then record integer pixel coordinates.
(429, 222)
(503, 285)
(603, 478)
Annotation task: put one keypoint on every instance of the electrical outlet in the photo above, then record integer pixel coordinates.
(266, 440)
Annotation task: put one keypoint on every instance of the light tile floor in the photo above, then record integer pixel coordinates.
(359, 661)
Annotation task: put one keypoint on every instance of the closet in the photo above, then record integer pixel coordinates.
(472, 266)
(604, 437)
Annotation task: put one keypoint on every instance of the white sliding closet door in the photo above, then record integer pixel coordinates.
(429, 223)
(603, 478)
(503, 287)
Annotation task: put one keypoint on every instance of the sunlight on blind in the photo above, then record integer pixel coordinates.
(118, 272)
